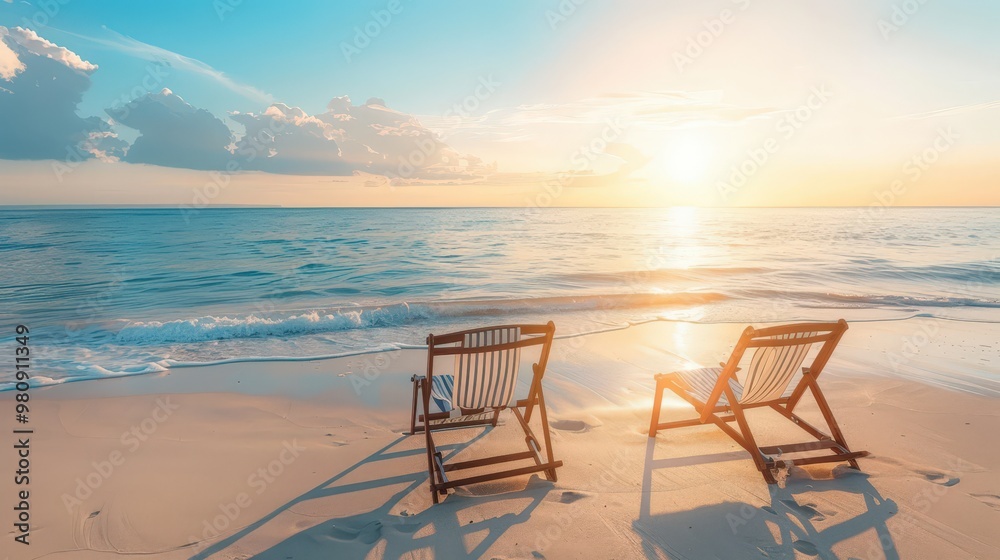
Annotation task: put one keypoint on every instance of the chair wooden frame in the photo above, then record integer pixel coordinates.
(723, 413)
(451, 344)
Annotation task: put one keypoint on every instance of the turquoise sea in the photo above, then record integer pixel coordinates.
(127, 291)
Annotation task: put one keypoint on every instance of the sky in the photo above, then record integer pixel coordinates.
(500, 103)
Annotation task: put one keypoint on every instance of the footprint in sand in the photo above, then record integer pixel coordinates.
(367, 534)
(407, 527)
(335, 442)
(577, 426)
(991, 500)
(569, 497)
(808, 510)
(845, 471)
(939, 478)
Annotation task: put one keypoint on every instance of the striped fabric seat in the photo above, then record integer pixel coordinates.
(442, 387)
(771, 369)
(486, 379)
(700, 383)
(487, 360)
(773, 377)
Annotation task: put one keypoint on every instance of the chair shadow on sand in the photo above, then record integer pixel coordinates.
(354, 536)
(724, 529)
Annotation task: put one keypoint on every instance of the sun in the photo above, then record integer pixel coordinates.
(685, 160)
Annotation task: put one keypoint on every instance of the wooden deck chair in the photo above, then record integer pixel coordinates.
(482, 385)
(718, 396)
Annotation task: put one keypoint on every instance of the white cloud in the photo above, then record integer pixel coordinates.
(43, 47)
(46, 82)
(172, 133)
(649, 110)
(42, 87)
(145, 51)
(350, 138)
(949, 111)
(10, 64)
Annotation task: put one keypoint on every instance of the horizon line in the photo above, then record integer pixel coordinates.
(279, 207)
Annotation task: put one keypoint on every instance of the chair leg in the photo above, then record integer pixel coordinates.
(657, 402)
(749, 443)
(434, 494)
(535, 386)
(496, 417)
(417, 384)
(533, 394)
(824, 407)
(429, 442)
(543, 414)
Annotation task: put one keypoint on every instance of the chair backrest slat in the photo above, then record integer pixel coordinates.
(487, 379)
(779, 352)
(773, 366)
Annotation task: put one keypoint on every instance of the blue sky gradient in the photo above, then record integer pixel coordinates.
(694, 88)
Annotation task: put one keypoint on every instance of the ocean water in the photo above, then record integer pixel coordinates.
(128, 291)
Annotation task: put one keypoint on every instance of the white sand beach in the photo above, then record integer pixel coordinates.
(309, 460)
(237, 236)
